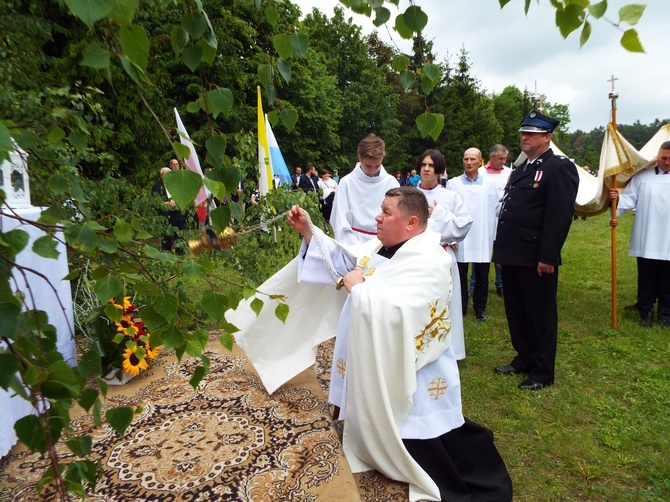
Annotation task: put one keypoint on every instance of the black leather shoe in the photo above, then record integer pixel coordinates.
(646, 320)
(500, 292)
(664, 321)
(530, 384)
(506, 370)
(481, 315)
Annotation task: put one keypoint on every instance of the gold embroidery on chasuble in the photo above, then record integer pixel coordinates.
(341, 367)
(437, 388)
(363, 261)
(438, 327)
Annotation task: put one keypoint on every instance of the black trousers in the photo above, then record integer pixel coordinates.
(532, 316)
(653, 283)
(464, 464)
(480, 294)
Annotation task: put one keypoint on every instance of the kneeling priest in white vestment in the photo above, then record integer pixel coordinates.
(394, 374)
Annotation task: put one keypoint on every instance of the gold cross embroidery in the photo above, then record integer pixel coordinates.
(438, 326)
(437, 388)
(341, 367)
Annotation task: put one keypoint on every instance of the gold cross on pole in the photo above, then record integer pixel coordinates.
(612, 80)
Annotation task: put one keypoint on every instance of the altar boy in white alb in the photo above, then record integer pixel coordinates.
(649, 193)
(394, 375)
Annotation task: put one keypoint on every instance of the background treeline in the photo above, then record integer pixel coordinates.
(344, 88)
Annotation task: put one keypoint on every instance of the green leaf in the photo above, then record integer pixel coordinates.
(216, 146)
(135, 44)
(192, 56)
(283, 46)
(220, 217)
(56, 134)
(82, 238)
(192, 270)
(256, 305)
(155, 254)
(89, 11)
(432, 71)
(178, 38)
(15, 241)
(272, 15)
(569, 19)
(430, 124)
(407, 78)
(123, 232)
(598, 10)
(220, 100)
(182, 150)
(5, 142)
(403, 30)
(123, 11)
(87, 398)
(284, 68)
(215, 305)
(166, 305)
(172, 338)
(265, 74)
(107, 288)
(9, 363)
(120, 418)
(300, 44)
(415, 19)
(95, 57)
(289, 118)
(183, 185)
(58, 184)
(30, 432)
(631, 14)
(383, 15)
(427, 85)
(78, 140)
(46, 247)
(586, 33)
(631, 41)
(281, 312)
(194, 23)
(208, 52)
(80, 446)
(90, 364)
(146, 288)
(400, 62)
(134, 71)
(226, 340)
(198, 374)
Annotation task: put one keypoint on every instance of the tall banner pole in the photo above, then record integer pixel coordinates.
(613, 219)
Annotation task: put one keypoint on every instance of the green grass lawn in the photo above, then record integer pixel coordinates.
(602, 431)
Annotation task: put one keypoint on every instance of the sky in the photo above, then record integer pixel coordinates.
(506, 47)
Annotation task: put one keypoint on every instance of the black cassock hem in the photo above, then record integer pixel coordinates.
(465, 464)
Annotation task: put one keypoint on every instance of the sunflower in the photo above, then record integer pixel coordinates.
(127, 306)
(152, 352)
(125, 324)
(133, 365)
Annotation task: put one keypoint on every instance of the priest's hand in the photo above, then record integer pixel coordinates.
(614, 193)
(354, 277)
(298, 221)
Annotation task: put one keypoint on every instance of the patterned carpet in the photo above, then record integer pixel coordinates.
(228, 440)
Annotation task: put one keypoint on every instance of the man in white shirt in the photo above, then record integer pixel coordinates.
(648, 192)
(499, 172)
(360, 193)
(482, 201)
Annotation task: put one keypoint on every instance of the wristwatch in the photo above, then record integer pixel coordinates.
(339, 283)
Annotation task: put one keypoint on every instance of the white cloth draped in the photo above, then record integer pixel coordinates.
(40, 295)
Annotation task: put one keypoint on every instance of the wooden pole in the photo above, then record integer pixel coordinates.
(613, 220)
